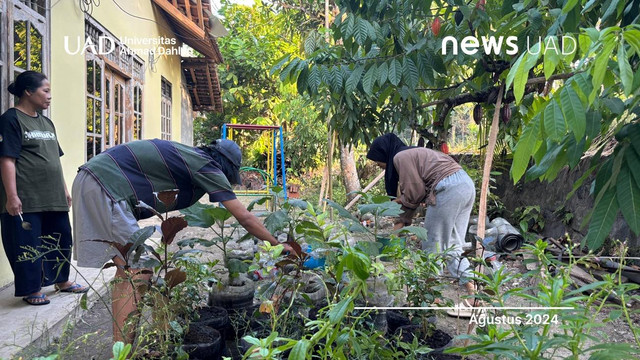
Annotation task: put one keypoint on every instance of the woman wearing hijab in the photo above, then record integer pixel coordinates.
(107, 190)
(33, 189)
(417, 175)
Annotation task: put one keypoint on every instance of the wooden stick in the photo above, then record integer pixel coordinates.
(486, 173)
(367, 188)
(484, 189)
(322, 186)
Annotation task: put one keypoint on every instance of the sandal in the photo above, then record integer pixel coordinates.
(36, 299)
(75, 288)
(464, 310)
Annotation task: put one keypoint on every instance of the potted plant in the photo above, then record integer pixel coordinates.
(235, 289)
(171, 298)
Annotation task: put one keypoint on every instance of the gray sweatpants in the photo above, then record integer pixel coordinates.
(447, 222)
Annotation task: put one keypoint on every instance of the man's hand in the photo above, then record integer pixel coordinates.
(288, 250)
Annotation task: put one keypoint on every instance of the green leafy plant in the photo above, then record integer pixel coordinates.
(529, 218)
(214, 217)
(566, 319)
(421, 280)
(121, 351)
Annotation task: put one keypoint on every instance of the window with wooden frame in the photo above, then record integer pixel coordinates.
(26, 40)
(165, 110)
(137, 112)
(118, 118)
(95, 110)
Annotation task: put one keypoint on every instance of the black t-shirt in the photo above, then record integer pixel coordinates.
(32, 141)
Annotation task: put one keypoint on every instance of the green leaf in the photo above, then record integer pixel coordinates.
(410, 72)
(277, 220)
(120, 350)
(633, 163)
(310, 43)
(419, 231)
(361, 31)
(551, 58)
(634, 136)
(632, 37)
(581, 85)
(514, 70)
(83, 302)
(286, 73)
(369, 79)
(604, 214)
(547, 162)
(520, 79)
(626, 74)
(554, 124)
(347, 27)
(337, 79)
(383, 73)
(600, 67)
(314, 80)
(610, 10)
(237, 266)
(354, 79)
(341, 210)
(204, 215)
(628, 195)
(279, 65)
(436, 62)
(299, 351)
(426, 68)
(337, 312)
(395, 72)
(574, 112)
(568, 6)
(524, 148)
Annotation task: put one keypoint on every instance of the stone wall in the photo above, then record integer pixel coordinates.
(552, 196)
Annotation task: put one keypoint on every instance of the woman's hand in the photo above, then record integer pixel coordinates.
(68, 196)
(14, 205)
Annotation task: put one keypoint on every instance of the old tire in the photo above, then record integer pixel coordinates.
(233, 297)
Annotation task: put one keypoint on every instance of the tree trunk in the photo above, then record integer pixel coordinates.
(348, 168)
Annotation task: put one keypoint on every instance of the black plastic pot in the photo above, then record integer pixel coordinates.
(214, 317)
(437, 340)
(395, 320)
(203, 342)
(237, 294)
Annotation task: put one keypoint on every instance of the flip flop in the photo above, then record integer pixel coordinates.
(464, 310)
(34, 300)
(75, 288)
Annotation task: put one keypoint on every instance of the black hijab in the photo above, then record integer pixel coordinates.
(383, 149)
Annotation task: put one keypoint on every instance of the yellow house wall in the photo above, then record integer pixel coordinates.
(68, 77)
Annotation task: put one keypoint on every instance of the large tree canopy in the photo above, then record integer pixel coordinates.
(258, 37)
(569, 68)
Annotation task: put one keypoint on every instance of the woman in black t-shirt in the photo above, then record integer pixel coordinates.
(34, 200)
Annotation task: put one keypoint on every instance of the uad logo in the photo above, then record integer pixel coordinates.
(494, 45)
(106, 45)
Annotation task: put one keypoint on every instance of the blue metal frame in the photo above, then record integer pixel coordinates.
(275, 160)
